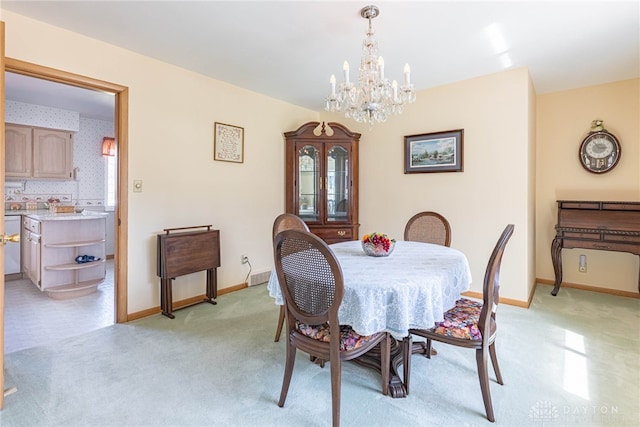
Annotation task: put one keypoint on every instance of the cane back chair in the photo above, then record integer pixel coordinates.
(285, 221)
(311, 282)
(428, 227)
(472, 324)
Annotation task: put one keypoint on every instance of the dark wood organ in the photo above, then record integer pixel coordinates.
(599, 225)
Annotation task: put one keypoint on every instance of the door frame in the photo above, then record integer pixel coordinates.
(2, 230)
(121, 210)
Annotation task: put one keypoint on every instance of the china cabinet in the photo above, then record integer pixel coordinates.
(321, 184)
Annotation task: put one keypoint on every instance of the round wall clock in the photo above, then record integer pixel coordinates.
(599, 151)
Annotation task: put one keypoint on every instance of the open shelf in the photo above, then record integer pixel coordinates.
(74, 244)
(73, 290)
(74, 266)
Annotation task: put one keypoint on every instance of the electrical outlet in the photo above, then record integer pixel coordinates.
(244, 259)
(582, 265)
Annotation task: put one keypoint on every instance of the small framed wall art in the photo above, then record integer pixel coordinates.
(228, 143)
(434, 152)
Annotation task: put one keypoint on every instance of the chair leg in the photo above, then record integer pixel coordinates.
(428, 352)
(280, 324)
(288, 372)
(336, 378)
(483, 375)
(494, 362)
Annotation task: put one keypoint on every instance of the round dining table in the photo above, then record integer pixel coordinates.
(411, 288)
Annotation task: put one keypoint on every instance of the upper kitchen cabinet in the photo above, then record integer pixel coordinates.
(52, 154)
(38, 153)
(322, 179)
(18, 157)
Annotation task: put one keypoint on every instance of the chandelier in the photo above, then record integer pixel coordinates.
(375, 97)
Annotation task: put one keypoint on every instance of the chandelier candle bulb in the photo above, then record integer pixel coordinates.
(407, 72)
(345, 68)
(381, 67)
(332, 81)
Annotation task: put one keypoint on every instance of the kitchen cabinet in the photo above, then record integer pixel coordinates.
(31, 249)
(38, 153)
(18, 142)
(321, 182)
(55, 241)
(12, 264)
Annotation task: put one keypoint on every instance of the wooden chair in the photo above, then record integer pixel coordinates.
(285, 221)
(472, 324)
(428, 227)
(312, 285)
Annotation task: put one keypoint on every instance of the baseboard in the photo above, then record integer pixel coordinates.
(13, 276)
(182, 303)
(507, 301)
(590, 288)
(472, 294)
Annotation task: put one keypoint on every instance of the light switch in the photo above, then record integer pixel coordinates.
(137, 185)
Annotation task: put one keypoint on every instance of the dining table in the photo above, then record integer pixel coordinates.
(411, 288)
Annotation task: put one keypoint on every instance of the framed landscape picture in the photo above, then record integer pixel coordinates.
(228, 143)
(434, 152)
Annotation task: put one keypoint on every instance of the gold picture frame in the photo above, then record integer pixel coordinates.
(228, 143)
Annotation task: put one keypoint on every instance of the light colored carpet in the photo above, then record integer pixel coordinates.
(568, 360)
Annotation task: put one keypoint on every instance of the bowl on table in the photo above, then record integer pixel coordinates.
(377, 244)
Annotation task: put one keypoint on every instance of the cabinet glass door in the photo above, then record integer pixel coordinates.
(309, 183)
(337, 183)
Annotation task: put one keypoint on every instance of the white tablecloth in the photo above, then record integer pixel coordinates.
(411, 288)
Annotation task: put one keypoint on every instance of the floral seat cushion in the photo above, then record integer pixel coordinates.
(461, 321)
(349, 339)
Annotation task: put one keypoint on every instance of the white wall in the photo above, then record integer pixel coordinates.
(171, 116)
(494, 189)
(89, 189)
(564, 119)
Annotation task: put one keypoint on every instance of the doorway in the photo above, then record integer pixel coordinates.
(121, 207)
(33, 317)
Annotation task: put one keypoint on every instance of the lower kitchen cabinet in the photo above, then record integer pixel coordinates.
(53, 245)
(31, 249)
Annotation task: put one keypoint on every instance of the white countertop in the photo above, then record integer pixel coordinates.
(46, 215)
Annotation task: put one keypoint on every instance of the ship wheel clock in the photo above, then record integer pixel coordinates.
(600, 150)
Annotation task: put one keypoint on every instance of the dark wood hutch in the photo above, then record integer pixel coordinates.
(321, 184)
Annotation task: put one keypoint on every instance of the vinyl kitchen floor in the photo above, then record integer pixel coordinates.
(33, 319)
